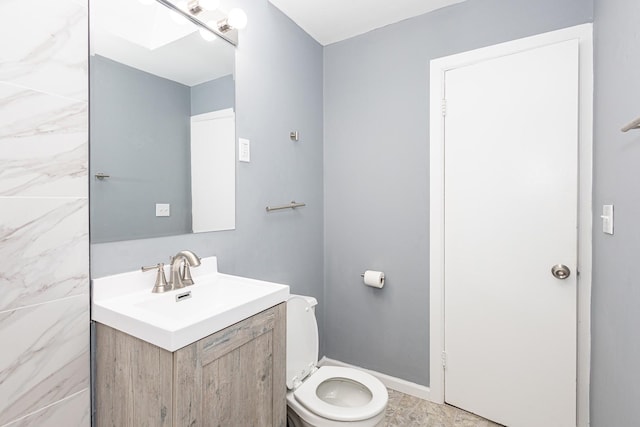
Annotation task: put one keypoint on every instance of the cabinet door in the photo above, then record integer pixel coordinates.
(235, 377)
(132, 381)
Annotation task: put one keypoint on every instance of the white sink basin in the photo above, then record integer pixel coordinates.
(217, 300)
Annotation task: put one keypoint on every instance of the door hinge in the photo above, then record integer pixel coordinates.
(444, 107)
(444, 360)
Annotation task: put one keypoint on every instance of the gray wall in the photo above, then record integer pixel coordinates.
(615, 381)
(377, 172)
(213, 95)
(279, 89)
(139, 130)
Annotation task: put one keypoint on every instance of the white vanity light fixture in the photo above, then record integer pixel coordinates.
(196, 11)
(209, 4)
(236, 20)
(197, 6)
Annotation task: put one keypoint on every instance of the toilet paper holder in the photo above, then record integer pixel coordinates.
(374, 278)
(362, 275)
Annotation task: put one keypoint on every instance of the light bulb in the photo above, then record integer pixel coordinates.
(237, 19)
(209, 4)
(206, 34)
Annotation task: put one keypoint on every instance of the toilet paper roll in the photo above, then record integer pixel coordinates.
(374, 278)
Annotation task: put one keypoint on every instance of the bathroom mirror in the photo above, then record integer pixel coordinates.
(162, 123)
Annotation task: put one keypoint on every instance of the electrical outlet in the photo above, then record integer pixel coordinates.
(163, 209)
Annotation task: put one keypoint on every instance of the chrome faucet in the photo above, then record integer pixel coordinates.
(161, 281)
(180, 273)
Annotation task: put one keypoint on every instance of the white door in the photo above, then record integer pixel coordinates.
(213, 171)
(510, 215)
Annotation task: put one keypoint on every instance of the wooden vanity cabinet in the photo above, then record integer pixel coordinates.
(235, 377)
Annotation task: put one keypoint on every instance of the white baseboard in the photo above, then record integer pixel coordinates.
(403, 386)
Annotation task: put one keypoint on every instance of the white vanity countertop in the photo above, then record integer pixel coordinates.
(125, 302)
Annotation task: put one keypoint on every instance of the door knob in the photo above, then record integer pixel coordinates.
(560, 271)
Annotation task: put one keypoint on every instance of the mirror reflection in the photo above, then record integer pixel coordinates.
(162, 124)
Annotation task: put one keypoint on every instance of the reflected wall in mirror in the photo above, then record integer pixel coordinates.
(162, 124)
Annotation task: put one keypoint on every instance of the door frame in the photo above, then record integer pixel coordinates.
(438, 68)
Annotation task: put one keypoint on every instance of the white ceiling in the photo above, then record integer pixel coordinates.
(330, 21)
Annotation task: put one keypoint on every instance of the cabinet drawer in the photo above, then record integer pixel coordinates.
(234, 336)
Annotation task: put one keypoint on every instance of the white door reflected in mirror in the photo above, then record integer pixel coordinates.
(213, 198)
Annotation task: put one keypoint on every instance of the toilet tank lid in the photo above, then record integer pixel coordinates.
(311, 300)
(302, 339)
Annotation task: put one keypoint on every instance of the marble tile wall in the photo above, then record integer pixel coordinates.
(44, 239)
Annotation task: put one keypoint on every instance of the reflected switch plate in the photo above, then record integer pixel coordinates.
(244, 150)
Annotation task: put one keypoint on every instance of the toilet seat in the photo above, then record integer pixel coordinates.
(306, 394)
(344, 386)
(302, 329)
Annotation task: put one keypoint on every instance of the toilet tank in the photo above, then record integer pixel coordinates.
(311, 300)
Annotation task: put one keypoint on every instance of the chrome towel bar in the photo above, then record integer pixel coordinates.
(633, 125)
(291, 205)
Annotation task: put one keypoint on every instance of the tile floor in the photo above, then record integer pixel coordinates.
(406, 411)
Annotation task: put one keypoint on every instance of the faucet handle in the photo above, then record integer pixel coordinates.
(161, 284)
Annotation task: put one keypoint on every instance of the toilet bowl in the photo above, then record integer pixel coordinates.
(327, 396)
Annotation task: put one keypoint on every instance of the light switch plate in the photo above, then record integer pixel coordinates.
(607, 219)
(244, 150)
(163, 209)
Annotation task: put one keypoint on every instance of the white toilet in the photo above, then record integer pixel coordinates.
(328, 396)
